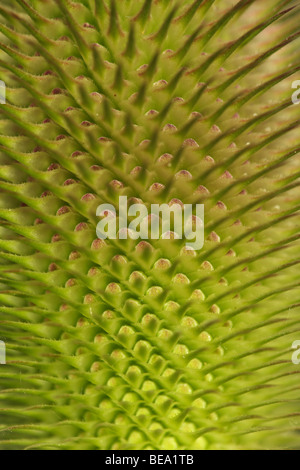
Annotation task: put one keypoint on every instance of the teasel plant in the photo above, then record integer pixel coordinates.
(145, 344)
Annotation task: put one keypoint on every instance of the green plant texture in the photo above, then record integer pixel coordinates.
(143, 344)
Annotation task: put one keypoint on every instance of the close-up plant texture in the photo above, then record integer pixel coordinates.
(145, 344)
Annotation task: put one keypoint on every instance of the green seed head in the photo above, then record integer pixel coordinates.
(143, 343)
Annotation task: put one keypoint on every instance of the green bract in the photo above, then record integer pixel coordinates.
(123, 344)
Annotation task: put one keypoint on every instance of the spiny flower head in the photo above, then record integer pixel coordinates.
(143, 344)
